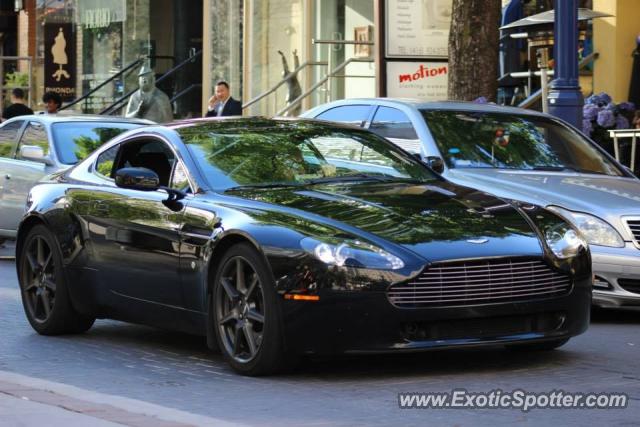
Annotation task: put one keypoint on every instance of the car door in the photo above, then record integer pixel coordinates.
(134, 236)
(24, 172)
(8, 166)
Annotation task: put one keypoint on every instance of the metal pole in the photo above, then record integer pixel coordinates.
(543, 64)
(565, 97)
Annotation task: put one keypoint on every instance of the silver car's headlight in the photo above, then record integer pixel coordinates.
(595, 231)
(351, 253)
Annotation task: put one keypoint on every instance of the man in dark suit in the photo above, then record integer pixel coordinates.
(222, 104)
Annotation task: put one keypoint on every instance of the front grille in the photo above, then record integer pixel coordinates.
(634, 227)
(630, 285)
(480, 282)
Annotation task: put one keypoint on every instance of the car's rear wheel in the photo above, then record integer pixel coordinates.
(246, 313)
(539, 346)
(45, 296)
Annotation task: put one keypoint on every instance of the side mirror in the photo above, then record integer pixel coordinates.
(435, 163)
(137, 179)
(35, 153)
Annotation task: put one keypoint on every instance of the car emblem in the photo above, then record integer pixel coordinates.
(478, 241)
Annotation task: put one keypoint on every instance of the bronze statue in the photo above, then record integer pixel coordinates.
(149, 102)
(294, 90)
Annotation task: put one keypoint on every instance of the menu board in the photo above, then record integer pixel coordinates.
(426, 81)
(418, 28)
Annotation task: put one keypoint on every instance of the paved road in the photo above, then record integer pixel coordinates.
(176, 371)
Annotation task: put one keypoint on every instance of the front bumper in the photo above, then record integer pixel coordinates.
(366, 322)
(619, 268)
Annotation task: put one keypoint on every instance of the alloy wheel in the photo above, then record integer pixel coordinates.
(240, 314)
(39, 279)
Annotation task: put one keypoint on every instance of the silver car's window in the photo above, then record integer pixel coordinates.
(394, 125)
(74, 141)
(511, 141)
(351, 114)
(34, 135)
(9, 138)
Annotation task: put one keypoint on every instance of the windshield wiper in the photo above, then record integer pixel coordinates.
(352, 177)
(555, 169)
(260, 186)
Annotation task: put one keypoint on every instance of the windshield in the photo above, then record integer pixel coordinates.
(508, 141)
(74, 141)
(296, 154)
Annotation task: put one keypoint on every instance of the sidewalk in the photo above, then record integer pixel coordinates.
(22, 412)
(27, 401)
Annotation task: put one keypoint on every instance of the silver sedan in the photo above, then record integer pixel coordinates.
(34, 146)
(526, 156)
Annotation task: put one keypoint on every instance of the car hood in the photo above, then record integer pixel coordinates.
(607, 197)
(438, 220)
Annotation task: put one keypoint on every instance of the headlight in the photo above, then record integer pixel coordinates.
(594, 230)
(352, 253)
(563, 241)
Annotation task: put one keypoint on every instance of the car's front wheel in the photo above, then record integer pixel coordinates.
(246, 313)
(43, 287)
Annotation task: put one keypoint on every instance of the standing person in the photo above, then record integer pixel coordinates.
(222, 104)
(17, 107)
(52, 102)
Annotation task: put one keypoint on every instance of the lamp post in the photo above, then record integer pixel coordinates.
(565, 98)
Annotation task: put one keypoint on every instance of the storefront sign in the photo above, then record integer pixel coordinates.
(60, 60)
(418, 28)
(101, 13)
(422, 80)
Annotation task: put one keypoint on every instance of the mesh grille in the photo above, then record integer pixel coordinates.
(480, 282)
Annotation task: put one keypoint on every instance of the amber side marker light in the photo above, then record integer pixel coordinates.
(299, 297)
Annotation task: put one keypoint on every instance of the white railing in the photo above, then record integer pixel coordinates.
(618, 134)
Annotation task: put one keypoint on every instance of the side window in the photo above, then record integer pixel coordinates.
(352, 114)
(393, 124)
(148, 153)
(179, 180)
(104, 163)
(9, 138)
(34, 135)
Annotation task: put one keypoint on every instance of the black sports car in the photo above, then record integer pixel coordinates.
(277, 238)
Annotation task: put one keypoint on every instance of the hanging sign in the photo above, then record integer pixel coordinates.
(59, 60)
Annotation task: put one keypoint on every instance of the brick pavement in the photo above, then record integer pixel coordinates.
(177, 371)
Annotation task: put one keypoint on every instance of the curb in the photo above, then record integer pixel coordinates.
(107, 407)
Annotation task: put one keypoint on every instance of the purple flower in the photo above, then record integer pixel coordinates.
(590, 111)
(606, 119)
(600, 99)
(627, 106)
(587, 127)
(604, 98)
(611, 107)
(622, 122)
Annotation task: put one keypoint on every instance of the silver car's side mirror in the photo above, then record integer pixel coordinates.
(34, 153)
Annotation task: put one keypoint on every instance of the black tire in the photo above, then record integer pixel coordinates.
(539, 346)
(238, 304)
(43, 287)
